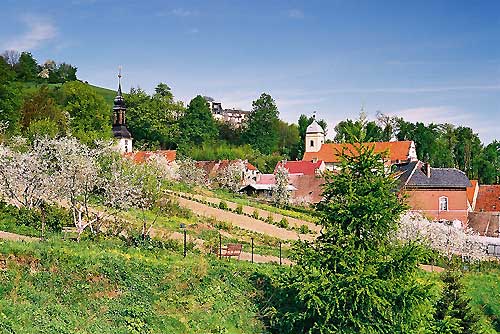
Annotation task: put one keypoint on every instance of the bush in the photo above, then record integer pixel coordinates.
(269, 219)
(54, 216)
(283, 223)
(304, 229)
(255, 214)
(239, 209)
(223, 205)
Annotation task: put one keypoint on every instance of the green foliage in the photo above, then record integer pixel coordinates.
(261, 128)
(217, 150)
(153, 120)
(239, 209)
(10, 103)
(40, 112)
(255, 214)
(7, 74)
(26, 68)
(304, 229)
(62, 73)
(197, 125)
(270, 219)
(353, 278)
(109, 287)
(89, 114)
(454, 315)
(52, 216)
(283, 223)
(289, 139)
(223, 205)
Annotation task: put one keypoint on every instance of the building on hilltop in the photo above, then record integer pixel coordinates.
(233, 116)
(120, 131)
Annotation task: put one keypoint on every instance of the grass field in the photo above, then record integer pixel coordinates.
(106, 287)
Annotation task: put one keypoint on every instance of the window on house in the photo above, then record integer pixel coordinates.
(312, 143)
(443, 203)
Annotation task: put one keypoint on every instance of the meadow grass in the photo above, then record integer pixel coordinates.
(107, 287)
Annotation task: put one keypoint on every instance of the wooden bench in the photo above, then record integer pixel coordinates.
(231, 250)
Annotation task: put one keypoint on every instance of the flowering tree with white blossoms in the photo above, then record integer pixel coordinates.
(443, 237)
(76, 176)
(231, 176)
(25, 178)
(191, 174)
(280, 192)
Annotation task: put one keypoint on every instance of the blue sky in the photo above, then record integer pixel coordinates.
(431, 61)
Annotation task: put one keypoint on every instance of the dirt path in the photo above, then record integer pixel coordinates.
(262, 213)
(16, 237)
(244, 222)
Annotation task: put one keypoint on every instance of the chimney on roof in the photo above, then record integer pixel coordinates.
(427, 169)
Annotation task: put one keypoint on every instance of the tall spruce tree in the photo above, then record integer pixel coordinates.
(354, 278)
(454, 314)
(197, 125)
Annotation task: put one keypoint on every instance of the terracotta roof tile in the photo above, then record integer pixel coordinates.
(141, 156)
(488, 198)
(397, 150)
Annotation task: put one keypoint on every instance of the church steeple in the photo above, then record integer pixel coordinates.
(120, 130)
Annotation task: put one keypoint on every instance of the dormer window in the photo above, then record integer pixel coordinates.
(443, 203)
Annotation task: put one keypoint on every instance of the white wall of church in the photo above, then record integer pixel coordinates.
(125, 145)
(314, 141)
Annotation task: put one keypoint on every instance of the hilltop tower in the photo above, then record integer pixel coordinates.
(120, 131)
(315, 136)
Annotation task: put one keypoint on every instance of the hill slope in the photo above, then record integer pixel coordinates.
(106, 287)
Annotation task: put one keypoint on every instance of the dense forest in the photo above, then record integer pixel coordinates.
(48, 99)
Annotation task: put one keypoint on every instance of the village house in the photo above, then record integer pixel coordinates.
(304, 182)
(437, 193)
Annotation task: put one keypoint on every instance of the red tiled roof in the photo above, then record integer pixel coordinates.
(251, 167)
(304, 167)
(488, 198)
(397, 150)
(141, 156)
(212, 167)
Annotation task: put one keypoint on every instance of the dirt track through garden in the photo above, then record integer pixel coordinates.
(241, 221)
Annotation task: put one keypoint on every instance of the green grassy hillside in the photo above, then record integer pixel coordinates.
(106, 287)
(108, 94)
